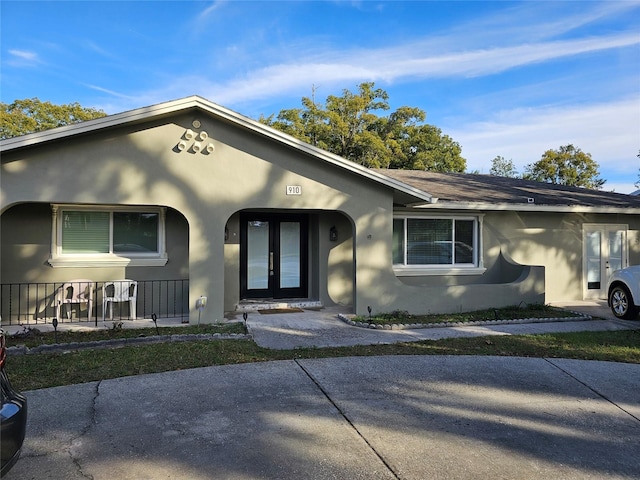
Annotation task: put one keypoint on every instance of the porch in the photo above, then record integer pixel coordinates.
(33, 304)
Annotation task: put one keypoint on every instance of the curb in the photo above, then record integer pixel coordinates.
(414, 326)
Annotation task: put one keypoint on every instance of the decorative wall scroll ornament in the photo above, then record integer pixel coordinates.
(195, 142)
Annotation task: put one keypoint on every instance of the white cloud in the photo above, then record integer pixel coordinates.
(406, 62)
(608, 131)
(23, 58)
(417, 61)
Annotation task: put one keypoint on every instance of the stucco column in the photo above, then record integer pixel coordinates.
(206, 269)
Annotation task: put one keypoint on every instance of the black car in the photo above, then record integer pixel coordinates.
(13, 416)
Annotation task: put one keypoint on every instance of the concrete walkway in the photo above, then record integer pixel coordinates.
(324, 329)
(398, 417)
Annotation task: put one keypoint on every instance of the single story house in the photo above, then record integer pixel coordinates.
(188, 191)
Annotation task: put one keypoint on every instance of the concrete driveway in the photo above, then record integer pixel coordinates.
(400, 417)
(414, 417)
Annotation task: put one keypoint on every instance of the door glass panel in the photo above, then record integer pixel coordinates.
(257, 255)
(615, 250)
(289, 254)
(593, 261)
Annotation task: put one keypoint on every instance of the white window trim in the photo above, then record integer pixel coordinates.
(57, 259)
(477, 268)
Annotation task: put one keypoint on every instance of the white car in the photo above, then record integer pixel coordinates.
(624, 292)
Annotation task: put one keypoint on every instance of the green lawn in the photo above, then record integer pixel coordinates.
(29, 372)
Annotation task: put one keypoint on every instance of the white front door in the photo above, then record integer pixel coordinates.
(605, 250)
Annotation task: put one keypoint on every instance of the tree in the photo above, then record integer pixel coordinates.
(32, 115)
(501, 167)
(566, 166)
(637, 184)
(349, 126)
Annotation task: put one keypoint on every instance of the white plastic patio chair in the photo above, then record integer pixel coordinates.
(74, 292)
(118, 291)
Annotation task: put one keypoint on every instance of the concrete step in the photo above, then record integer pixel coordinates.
(269, 304)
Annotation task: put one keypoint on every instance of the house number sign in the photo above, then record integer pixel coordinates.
(294, 190)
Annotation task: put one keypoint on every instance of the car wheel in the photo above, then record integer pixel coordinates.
(621, 303)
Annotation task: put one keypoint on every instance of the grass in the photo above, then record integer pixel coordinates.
(29, 372)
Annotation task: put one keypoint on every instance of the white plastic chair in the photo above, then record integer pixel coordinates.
(76, 292)
(119, 291)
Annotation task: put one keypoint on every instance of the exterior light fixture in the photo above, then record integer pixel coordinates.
(189, 134)
(333, 234)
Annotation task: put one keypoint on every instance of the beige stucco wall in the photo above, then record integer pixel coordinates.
(555, 241)
(140, 164)
(25, 249)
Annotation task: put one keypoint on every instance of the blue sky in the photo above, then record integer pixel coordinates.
(501, 78)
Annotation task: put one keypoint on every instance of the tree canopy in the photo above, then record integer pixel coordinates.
(566, 166)
(501, 167)
(637, 184)
(349, 126)
(32, 115)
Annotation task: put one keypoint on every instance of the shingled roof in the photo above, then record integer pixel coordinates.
(469, 189)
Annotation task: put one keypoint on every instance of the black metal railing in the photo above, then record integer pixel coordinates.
(34, 303)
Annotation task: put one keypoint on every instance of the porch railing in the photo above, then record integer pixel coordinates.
(34, 303)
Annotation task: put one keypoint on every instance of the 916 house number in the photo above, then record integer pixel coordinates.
(294, 190)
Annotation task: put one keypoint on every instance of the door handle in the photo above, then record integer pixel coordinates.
(270, 263)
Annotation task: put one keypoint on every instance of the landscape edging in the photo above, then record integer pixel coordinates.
(123, 342)
(412, 326)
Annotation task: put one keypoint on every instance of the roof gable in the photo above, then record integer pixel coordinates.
(404, 194)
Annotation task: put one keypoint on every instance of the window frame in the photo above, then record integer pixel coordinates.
(475, 268)
(122, 259)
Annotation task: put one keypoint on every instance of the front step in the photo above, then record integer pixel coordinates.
(263, 304)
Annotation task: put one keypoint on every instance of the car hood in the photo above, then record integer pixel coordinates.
(634, 270)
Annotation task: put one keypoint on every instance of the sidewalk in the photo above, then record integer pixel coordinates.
(324, 329)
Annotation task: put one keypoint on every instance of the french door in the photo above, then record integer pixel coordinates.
(273, 256)
(605, 248)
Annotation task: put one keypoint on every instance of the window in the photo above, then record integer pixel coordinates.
(96, 236)
(436, 245)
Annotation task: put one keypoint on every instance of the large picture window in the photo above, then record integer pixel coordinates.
(435, 242)
(107, 235)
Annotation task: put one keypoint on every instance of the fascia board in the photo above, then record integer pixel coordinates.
(147, 113)
(442, 205)
(89, 126)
